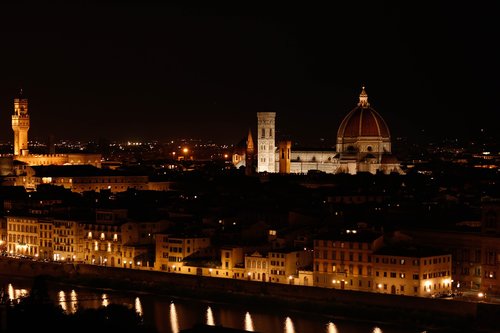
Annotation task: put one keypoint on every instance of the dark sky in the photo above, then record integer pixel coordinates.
(155, 71)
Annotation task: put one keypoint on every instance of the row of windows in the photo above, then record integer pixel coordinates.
(277, 263)
(277, 272)
(436, 274)
(342, 269)
(63, 240)
(341, 256)
(179, 249)
(260, 264)
(22, 228)
(63, 232)
(22, 239)
(63, 248)
(350, 245)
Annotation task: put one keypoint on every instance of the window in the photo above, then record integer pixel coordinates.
(415, 276)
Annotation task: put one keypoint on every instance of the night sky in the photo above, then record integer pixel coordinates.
(154, 71)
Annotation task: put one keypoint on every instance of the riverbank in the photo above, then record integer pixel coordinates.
(421, 313)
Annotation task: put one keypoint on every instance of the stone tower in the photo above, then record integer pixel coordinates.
(285, 148)
(20, 125)
(266, 150)
(249, 155)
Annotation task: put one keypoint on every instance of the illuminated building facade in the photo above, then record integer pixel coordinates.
(20, 125)
(266, 146)
(65, 240)
(363, 145)
(46, 239)
(23, 235)
(257, 266)
(81, 178)
(412, 271)
(102, 244)
(345, 261)
(171, 250)
(475, 251)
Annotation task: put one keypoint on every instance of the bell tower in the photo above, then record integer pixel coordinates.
(20, 125)
(266, 150)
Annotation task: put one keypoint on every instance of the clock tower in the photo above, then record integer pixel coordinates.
(20, 125)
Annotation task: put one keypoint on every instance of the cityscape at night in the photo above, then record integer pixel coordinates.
(219, 168)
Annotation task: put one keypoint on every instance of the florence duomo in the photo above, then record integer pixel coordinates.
(363, 145)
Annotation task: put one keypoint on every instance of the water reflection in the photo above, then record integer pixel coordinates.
(138, 306)
(174, 323)
(289, 326)
(105, 301)
(10, 291)
(210, 317)
(74, 301)
(331, 328)
(186, 313)
(248, 322)
(62, 301)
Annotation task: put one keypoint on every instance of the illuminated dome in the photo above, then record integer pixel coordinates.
(363, 120)
(363, 129)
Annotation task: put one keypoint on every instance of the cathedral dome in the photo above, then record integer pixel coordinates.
(363, 121)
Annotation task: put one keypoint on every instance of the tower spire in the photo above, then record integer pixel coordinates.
(363, 98)
(250, 140)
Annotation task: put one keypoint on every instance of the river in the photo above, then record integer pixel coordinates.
(172, 314)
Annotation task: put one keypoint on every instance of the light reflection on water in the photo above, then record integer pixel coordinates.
(331, 328)
(171, 316)
(105, 301)
(210, 317)
(138, 306)
(74, 301)
(174, 322)
(289, 328)
(248, 322)
(62, 301)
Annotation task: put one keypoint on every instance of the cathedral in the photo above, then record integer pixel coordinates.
(363, 145)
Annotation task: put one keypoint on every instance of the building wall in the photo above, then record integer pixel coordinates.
(22, 235)
(266, 144)
(65, 240)
(171, 251)
(415, 276)
(344, 264)
(467, 253)
(230, 257)
(257, 267)
(102, 244)
(46, 239)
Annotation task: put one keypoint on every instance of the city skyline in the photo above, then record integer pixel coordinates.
(151, 71)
